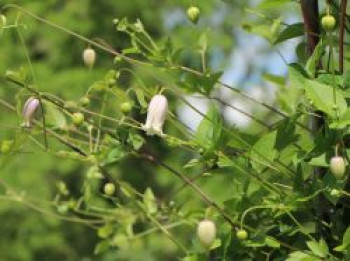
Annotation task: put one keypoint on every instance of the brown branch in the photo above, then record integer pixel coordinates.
(310, 13)
(341, 34)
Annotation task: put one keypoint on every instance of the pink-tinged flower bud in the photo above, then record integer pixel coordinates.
(206, 232)
(337, 166)
(29, 109)
(89, 57)
(157, 110)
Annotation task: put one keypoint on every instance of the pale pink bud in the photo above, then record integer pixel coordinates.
(89, 57)
(29, 108)
(206, 232)
(157, 110)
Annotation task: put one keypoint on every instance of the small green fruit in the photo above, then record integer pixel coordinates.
(337, 167)
(206, 232)
(125, 107)
(193, 14)
(109, 189)
(84, 101)
(328, 23)
(335, 193)
(111, 82)
(242, 234)
(62, 209)
(78, 118)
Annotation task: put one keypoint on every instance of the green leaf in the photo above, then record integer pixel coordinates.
(209, 130)
(190, 258)
(318, 248)
(105, 231)
(330, 79)
(216, 244)
(136, 140)
(292, 31)
(200, 83)
(321, 160)
(262, 30)
(140, 97)
(346, 79)
(276, 79)
(114, 155)
(263, 151)
(150, 201)
(267, 4)
(301, 256)
(315, 59)
(54, 117)
(101, 247)
(271, 242)
(344, 120)
(297, 75)
(345, 246)
(346, 236)
(322, 97)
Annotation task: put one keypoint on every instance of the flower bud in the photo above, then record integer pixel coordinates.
(157, 110)
(29, 108)
(337, 166)
(89, 57)
(206, 232)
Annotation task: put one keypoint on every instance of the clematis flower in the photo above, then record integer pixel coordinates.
(89, 57)
(157, 110)
(28, 112)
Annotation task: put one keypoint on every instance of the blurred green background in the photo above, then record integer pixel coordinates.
(28, 233)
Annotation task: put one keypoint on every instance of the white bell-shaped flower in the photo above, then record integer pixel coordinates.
(157, 110)
(29, 108)
(89, 57)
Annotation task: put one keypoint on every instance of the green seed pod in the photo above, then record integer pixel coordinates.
(84, 101)
(242, 234)
(193, 14)
(109, 189)
(328, 23)
(125, 107)
(78, 118)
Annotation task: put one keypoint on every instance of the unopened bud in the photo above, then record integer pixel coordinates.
(29, 108)
(206, 232)
(157, 110)
(337, 166)
(89, 57)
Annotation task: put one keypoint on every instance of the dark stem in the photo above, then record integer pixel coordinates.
(341, 34)
(311, 23)
(309, 9)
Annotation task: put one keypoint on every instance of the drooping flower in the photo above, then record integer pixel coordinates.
(29, 108)
(206, 232)
(157, 110)
(89, 57)
(337, 166)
